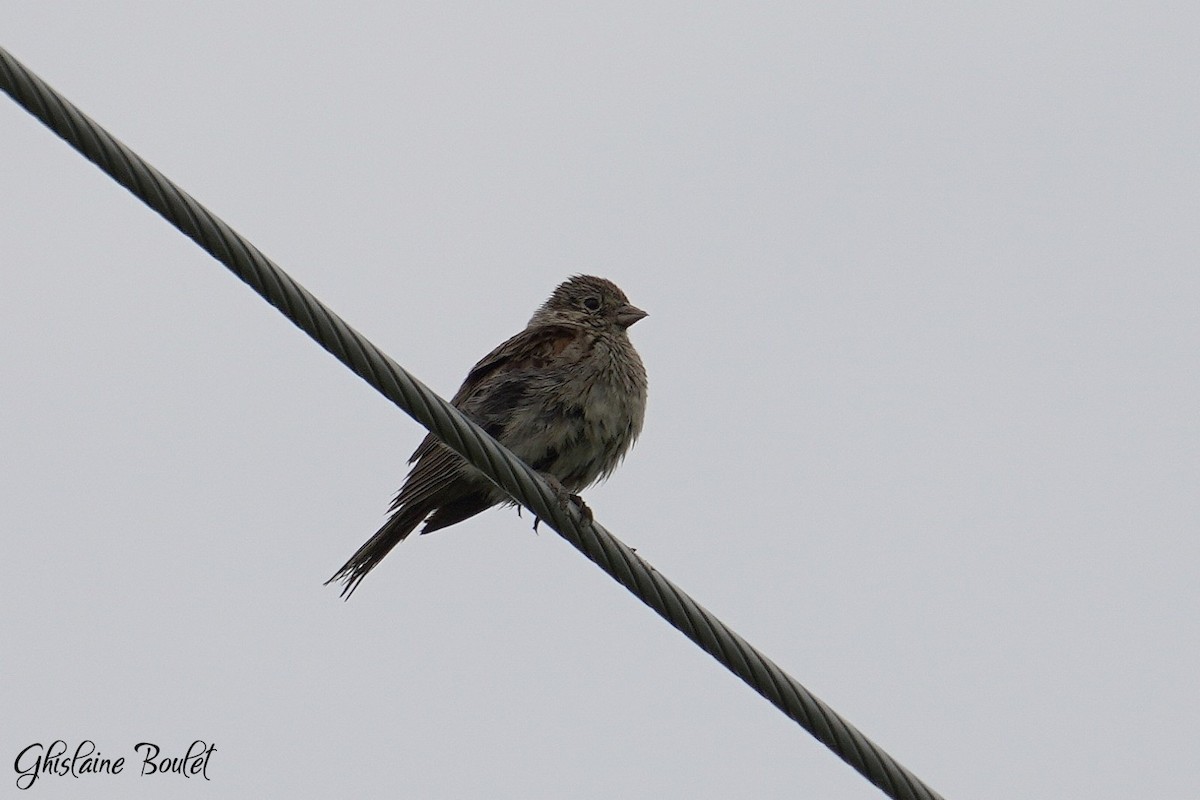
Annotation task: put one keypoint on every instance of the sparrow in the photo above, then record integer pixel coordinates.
(567, 395)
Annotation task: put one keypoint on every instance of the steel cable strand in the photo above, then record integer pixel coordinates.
(460, 433)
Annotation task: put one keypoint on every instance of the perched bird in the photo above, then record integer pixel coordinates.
(567, 395)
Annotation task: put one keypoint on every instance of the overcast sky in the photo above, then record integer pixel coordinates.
(923, 425)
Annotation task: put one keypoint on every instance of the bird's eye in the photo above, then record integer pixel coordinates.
(592, 304)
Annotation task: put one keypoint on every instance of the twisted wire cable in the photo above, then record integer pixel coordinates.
(460, 433)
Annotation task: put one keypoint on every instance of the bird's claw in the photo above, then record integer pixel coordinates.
(564, 498)
(582, 507)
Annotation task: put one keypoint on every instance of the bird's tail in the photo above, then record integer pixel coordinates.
(394, 531)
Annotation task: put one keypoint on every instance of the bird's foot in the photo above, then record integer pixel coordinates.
(564, 498)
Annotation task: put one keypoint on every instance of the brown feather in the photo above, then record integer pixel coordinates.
(566, 394)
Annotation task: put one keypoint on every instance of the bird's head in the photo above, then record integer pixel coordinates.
(588, 300)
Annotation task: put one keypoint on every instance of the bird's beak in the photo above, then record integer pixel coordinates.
(627, 315)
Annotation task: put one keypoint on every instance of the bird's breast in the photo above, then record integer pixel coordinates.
(579, 427)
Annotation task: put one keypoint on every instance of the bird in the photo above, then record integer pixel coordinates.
(567, 395)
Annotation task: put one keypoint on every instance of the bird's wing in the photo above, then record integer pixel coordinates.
(489, 394)
(531, 349)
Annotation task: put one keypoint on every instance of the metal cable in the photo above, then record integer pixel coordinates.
(460, 433)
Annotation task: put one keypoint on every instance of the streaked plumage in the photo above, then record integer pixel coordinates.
(567, 395)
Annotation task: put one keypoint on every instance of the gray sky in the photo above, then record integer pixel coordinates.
(923, 407)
